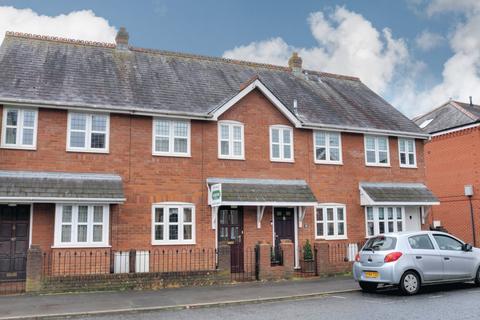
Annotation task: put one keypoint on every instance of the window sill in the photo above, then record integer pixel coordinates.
(408, 167)
(3, 146)
(282, 161)
(157, 243)
(171, 155)
(332, 238)
(231, 158)
(329, 163)
(88, 151)
(76, 246)
(378, 165)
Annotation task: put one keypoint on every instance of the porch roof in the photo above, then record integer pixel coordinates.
(372, 193)
(265, 192)
(34, 186)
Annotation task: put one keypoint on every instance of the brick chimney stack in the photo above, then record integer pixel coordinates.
(295, 64)
(122, 39)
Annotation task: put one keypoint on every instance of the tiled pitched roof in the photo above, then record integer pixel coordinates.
(47, 185)
(399, 192)
(265, 190)
(452, 114)
(53, 71)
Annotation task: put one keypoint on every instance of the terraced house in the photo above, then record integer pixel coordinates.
(117, 148)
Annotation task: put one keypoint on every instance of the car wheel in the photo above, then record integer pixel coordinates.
(410, 283)
(368, 286)
(477, 278)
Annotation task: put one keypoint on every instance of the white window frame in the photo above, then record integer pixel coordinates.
(376, 220)
(19, 136)
(335, 206)
(74, 223)
(171, 138)
(88, 133)
(281, 144)
(377, 151)
(327, 147)
(166, 206)
(407, 152)
(231, 124)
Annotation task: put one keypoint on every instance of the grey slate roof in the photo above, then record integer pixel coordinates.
(264, 190)
(47, 185)
(452, 114)
(398, 192)
(37, 69)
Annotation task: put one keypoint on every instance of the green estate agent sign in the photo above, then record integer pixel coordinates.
(216, 194)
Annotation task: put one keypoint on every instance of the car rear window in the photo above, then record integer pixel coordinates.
(380, 243)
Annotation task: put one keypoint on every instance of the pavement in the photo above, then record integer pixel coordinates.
(125, 302)
(445, 302)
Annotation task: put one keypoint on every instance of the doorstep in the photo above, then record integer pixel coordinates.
(55, 305)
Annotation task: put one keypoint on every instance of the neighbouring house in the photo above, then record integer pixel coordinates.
(452, 160)
(111, 147)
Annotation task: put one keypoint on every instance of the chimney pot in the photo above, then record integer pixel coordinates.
(122, 39)
(471, 101)
(295, 63)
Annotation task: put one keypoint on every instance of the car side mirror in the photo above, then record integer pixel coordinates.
(467, 247)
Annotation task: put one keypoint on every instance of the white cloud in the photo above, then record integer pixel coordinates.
(428, 40)
(461, 71)
(463, 6)
(346, 43)
(82, 25)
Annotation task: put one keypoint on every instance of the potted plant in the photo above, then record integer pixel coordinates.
(308, 262)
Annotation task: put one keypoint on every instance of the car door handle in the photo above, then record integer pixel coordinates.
(418, 257)
(446, 258)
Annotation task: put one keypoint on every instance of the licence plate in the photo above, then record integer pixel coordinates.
(371, 274)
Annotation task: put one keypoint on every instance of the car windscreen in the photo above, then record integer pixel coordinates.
(380, 243)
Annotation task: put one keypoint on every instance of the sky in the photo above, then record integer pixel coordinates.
(416, 54)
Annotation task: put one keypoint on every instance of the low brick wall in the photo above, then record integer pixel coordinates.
(328, 262)
(132, 281)
(275, 272)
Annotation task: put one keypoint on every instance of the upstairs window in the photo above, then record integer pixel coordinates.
(173, 223)
(88, 132)
(81, 225)
(406, 149)
(231, 140)
(19, 129)
(171, 137)
(328, 148)
(281, 143)
(330, 222)
(377, 151)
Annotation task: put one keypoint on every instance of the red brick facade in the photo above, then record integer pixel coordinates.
(149, 179)
(452, 161)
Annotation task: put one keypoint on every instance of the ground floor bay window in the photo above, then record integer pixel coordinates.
(81, 225)
(173, 223)
(384, 220)
(330, 222)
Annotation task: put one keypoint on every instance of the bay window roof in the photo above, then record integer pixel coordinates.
(374, 193)
(34, 187)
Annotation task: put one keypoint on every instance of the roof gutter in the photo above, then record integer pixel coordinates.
(332, 127)
(190, 115)
(104, 108)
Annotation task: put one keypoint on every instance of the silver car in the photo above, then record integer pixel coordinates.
(413, 259)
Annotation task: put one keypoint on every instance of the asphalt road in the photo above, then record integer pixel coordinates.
(439, 302)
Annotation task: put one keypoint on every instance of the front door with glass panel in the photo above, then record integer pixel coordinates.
(230, 231)
(14, 234)
(284, 227)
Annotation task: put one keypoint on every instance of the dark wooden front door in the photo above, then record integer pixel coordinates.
(284, 227)
(14, 233)
(230, 231)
